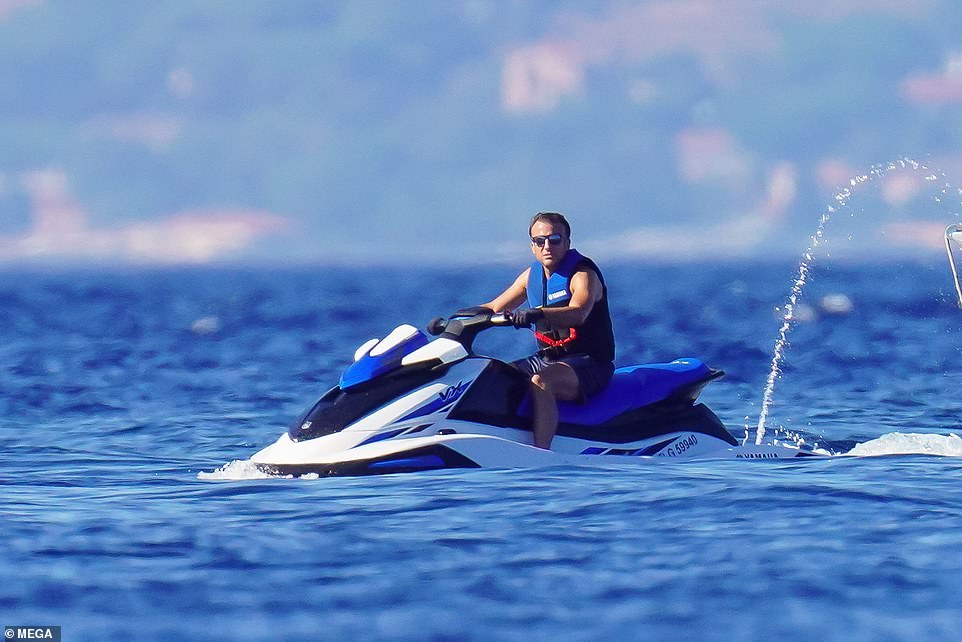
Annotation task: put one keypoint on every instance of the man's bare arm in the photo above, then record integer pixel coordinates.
(513, 296)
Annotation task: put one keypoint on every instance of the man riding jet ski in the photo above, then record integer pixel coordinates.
(568, 304)
(408, 403)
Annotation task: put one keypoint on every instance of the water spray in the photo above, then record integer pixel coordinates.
(842, 197)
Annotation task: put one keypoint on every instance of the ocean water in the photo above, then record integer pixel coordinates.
(130, 400)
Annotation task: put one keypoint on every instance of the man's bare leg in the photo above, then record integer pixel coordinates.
(557, 381)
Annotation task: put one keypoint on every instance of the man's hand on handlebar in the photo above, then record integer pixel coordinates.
(527, 317)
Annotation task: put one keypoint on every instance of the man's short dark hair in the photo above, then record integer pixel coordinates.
(555, 218)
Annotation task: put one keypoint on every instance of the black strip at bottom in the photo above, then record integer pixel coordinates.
(434, 457)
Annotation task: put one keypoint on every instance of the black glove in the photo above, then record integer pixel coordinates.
(527, 317)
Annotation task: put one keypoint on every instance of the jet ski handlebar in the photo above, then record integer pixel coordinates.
(465, 324)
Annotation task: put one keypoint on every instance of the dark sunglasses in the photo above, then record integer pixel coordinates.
(551, 239)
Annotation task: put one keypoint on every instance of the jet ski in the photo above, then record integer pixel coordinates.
(411, 403)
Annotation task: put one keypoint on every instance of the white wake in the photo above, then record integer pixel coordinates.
(237, 470)
(897, 443)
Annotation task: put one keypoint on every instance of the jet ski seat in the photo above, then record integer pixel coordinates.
(636, 386)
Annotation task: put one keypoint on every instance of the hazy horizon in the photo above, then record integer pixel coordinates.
(363, 133)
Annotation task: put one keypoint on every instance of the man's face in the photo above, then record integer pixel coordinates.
(550, 253)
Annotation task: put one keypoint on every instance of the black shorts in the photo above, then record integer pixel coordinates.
(593, 375)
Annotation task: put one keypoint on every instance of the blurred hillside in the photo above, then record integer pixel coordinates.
(378, 130)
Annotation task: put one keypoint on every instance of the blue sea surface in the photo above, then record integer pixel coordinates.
(130, 400)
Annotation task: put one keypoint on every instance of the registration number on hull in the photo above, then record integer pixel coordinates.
(679, 447)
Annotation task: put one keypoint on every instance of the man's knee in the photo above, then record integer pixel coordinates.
(541, 382)
(558, 379)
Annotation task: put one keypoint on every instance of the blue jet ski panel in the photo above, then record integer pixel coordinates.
(375, 362)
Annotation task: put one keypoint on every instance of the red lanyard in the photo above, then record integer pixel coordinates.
(556, 343)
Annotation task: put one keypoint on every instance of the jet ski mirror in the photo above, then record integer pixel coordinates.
(436, 326)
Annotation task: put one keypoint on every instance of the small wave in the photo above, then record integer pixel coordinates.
(206, 326)
(898, 443)
(239, 469)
